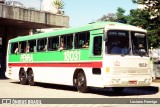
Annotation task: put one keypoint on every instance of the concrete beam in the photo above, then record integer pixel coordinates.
(26, 18)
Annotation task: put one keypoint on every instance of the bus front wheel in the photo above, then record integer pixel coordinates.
(31, 77)
(81, 83)
(23, 77)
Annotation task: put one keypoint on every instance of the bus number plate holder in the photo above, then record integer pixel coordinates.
(133, 82)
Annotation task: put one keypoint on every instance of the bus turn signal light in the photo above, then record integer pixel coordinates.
(107, 70)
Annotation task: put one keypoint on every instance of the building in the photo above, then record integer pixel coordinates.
(18, 20)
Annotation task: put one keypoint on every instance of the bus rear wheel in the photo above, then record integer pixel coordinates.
(30, 78)
(23, 77)
(117, 89)
(81, 83)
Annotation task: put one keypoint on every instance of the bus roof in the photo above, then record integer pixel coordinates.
(88, 27)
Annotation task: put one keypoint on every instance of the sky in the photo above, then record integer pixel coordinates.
(81, 12)
(85, 11)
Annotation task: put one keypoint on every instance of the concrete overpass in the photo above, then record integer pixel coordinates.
(16, 21)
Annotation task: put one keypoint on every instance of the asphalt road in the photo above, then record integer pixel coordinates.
(13, 89)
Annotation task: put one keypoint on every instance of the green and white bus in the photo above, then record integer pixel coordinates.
(101, 54)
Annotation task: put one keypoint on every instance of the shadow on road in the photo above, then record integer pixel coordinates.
(55, 86)
(3, 78)
(128, 91)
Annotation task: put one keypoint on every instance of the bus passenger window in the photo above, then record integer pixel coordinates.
(86, 45)
(27, 48)
(62, 46)
(22, 47)
(82, 40)
(32, 45)
(42, 45)
(70, 41)
(97, 45)
(66, 42)
(53, 43)
(14, 48)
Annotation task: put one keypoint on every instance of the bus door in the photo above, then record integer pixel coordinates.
(96, 46)
(95, 50)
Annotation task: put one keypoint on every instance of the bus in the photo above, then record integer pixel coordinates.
(100, 54)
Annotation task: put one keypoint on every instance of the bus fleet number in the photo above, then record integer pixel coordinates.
(72, 55)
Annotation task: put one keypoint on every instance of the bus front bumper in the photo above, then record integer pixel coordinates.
(128, 81)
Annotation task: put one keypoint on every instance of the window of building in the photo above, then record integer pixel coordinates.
(82, 40)
(31, 46)
(53, 43)
(97, 45)
(42, 45)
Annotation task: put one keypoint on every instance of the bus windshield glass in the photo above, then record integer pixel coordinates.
(139, 43)
(121, 43)
(117, 42)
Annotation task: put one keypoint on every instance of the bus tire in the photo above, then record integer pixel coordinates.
(30, 77)
(82, 83)
(117, 89)
(23, 77)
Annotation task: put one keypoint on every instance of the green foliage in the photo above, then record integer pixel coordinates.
(152, 6)
(120, 13)
(149, 19)
(108, 17)
(114, 17)
(59, 4)
(139, 18)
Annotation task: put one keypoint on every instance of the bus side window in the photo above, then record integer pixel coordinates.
(69, 41)
(82, 39)
(66, 41)
(53, 43)
(32, 45)
(14, 48)
(97, 45)
(22, 47)
(42, 45)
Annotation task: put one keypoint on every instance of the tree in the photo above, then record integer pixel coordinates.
(149, 19)
(120, 13)
(118, 16)
(108, 17)
(152, 6)
(59, 5)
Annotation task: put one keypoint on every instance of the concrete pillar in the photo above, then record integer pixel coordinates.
(7, 33)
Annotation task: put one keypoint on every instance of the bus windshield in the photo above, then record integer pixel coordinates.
(139, 44)
(118, 42)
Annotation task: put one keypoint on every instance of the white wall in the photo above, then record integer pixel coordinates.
(30, 3)
(44, 5)
(47, 6)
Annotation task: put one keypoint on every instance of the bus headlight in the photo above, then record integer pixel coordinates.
(115, 81)
(148, 80)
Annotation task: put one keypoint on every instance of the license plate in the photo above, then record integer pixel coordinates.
(132, 82)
